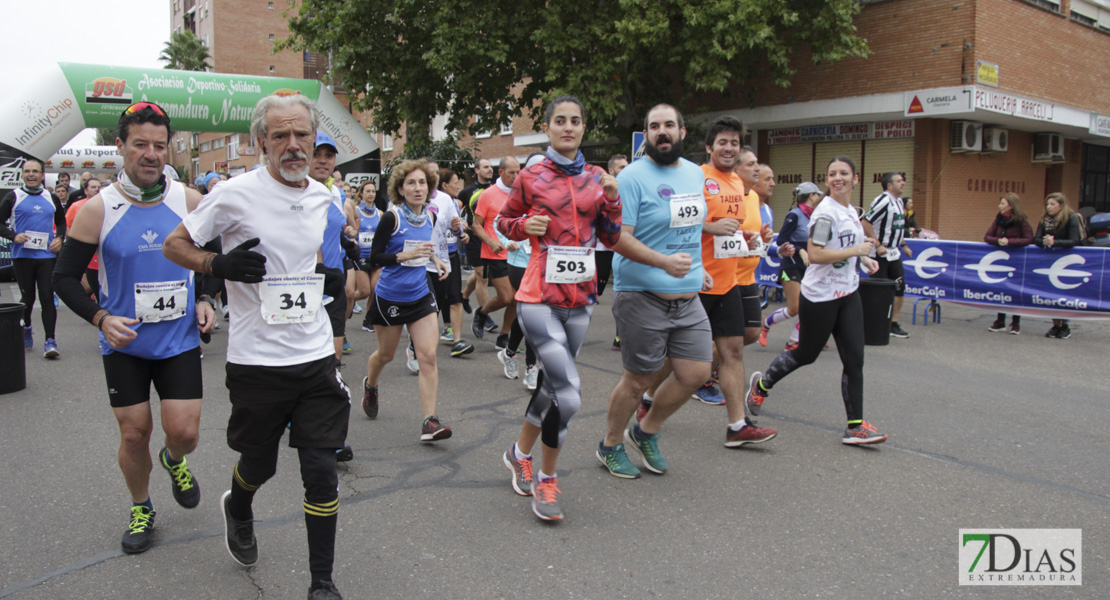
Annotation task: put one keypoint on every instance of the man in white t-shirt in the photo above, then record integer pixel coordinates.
(281, 366)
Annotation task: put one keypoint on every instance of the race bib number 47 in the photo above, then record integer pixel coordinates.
(291, 298)
(36, 240)
(569, 264)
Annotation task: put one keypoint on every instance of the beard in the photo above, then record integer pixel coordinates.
(667, 158)
(293, 176)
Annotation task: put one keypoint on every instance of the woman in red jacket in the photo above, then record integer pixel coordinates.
(562, 205)
(1010, 229)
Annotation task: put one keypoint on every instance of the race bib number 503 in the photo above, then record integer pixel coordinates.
(569, 264)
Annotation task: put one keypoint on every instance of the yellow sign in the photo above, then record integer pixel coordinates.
(987, 73)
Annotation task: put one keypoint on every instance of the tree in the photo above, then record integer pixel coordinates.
(105, 136)
(494, 59)
(185, 52)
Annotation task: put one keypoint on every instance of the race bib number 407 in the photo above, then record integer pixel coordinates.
(291, 298)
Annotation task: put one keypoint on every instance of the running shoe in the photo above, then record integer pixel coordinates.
(793, 345)
(324, 590)
(139, 536)
(531, 377)
(545, 499)
(344, 454)
(998, 325)
(369, 398)
(186, 490)
(522, 471)
(490, 325)
(410, 360)
(1064, 332)
(57, 301)
(709, 394)
(642, 411)
(28, 338)
(461, 348)
(502, 341)
(616, 344)
(897, 331)
(648, 449)
(763, 331)
(216, 325)
(238, 535)
(1015, 329)
(466, 306)
(756, 394)
(50, 349)
(447, 335)
(356, 309)
(509, 364)
(616, 460)
(346, 346)
(478, 326)
(864, 433)
(748, 434)
(367, 326)
(1051, 332)
(433, 430)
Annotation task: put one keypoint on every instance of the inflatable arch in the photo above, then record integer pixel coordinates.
(69, 97)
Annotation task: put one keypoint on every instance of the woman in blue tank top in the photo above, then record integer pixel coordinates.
(367, 216)
(793, 238)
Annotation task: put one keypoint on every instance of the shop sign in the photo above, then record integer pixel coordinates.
(809, 134)
(1015, 106)
(1100, 125)
(939, 101)
(987, 73)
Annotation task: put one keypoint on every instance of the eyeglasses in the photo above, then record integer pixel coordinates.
(136, 107)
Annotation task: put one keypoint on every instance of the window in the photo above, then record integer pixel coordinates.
(232, 147)
(271, 68)
(205, 146)
(307, 56)
(1052, 5)
(271, 37)
(482, 134)
(507, 129)
(387, 142)
(217, 143)
(1094, 190)
(180, 145)
(270, 5)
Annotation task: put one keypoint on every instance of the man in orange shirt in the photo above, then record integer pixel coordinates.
(732, 225)
(747, 168)
(494, 254)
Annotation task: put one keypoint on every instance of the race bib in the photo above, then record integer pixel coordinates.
(569, 264)
(411, 245)
(730, 246)
(451, 237)
(365, 239)
(160, 300)
(36, 240)
(893, 254)
(686, 210)
(291, 298)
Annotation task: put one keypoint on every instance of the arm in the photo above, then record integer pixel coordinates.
(382, 234)
(1038, 238)
(480, 232)
(1074, 236)
(59, 224)
(1026, 236)
(609, 218)
(6, 206)
(789, 225)
(676, 265)
(720, 227)
(993, 234)
(514, 214)
(820, 234)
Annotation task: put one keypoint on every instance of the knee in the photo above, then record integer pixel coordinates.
(318, 474)
(135, 437)
(694, 375)
(382, 358)
(184, 437)
(426, 358)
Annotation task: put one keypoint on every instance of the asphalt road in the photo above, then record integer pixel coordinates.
(987, 431)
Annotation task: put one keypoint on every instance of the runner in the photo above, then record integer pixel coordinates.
(793, 238)
(146, 315)
(402, 247)
(281, 366)
(518, 264)
(616, 164)
(448, 232)
(563, 205)
(476, 283)
(450, 184)
(333, 250)
(367, 216)
(35, 215)
(830, 302)
(657, 279)
(495, 267)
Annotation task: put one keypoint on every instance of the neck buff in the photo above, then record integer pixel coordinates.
(566, 165)
(147, 196)
(807, 210)
(369, 209)
(416, 220)
(32, 191)
(501, 186)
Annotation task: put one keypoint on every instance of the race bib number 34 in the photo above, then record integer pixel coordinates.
(161, 301)
(687, 210)
(569, 264)
(291, 298)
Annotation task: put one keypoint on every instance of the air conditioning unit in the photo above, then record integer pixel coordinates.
(995, 139)
(1048, 148)
(966, 136)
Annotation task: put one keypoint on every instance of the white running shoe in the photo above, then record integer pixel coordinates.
(509, 364)
(530, 377)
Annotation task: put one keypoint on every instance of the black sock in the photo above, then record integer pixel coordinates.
(320, 521)
(242, 497)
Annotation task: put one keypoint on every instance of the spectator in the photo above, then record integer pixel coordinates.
(1060, 228)
(1010, 229)
(911, 218)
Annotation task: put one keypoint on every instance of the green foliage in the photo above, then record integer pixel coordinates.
(446, 153)
(185, 52)
(495, 59)
(105, 136)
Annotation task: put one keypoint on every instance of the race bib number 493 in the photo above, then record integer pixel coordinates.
(687, 210)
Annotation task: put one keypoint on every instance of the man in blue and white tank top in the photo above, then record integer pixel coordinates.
(146, 315)
(335, 240)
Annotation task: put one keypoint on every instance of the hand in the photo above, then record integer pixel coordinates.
(240, 264)
(767, 234)
(20, 238)
(752, 238)
(513, 246)
(496, 247)
(333, 280)
(55, 245)
(787, 250)
(537, 225)
(805, 257)
(457, 224)
(865, 248)
(881, 250)
(706, 282)
(609, 186)
(870, 265)
(464, 237)
(206, 317)
(677, 265)
(722, 227)
(117, 332)
(907, 250)
(441, 268)
(350, 232)
(424, 250)
(1003, 242)
(1049, 239)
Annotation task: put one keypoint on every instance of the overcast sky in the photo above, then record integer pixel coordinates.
(120, 32)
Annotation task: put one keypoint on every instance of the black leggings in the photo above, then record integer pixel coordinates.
(516, 334)
(31, 273)
(843, 318)
(604, 260)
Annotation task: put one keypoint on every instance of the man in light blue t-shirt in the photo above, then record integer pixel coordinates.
(657, 277)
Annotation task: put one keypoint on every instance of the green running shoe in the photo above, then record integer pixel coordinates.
(139, 536)
(185, 488)
(648, 449)
(616, 460)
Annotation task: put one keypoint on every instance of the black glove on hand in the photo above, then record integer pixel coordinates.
(241, 264)
(351, 248)
(333, 280)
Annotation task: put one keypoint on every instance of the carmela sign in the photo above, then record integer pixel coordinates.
(1100, 125)
(1014, 105)
(882, 130)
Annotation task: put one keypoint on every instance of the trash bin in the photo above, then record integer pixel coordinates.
(877, 297)
(13, 363)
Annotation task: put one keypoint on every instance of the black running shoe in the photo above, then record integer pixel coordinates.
(238, 535)
(344, 454)
(323, 590)
(478, 326)
(185, 488)
(369, 399)
(139, 536)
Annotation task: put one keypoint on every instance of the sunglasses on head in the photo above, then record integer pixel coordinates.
(136, 107)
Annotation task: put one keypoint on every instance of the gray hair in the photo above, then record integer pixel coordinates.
(258, 118)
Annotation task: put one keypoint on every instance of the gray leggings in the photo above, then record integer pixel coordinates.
(556, 334)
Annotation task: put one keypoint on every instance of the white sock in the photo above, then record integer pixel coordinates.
(794, 332)
(778, 316)
(518, 454)
(737, 426)
(648, 398)
(544, 476)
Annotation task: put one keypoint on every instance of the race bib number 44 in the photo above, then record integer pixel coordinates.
(161, 301)
(687, 210)
(569, 264)
(291, 298)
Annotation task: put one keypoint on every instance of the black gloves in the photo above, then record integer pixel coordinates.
(333, 280)
(241, 264)
(351, 248)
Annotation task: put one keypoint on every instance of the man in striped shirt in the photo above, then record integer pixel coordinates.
(885, 221)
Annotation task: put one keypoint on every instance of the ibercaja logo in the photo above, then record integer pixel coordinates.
(1021, 557)
(108, 90)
